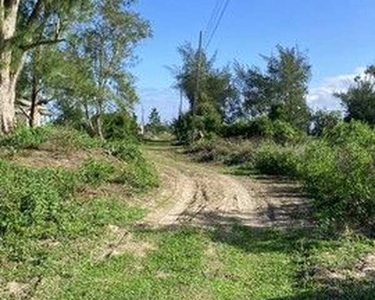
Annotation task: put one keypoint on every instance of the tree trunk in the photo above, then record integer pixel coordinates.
(7, 99)
(34, 102)
(99, 126)
(89, 123)
(99, 111)
(9, 69)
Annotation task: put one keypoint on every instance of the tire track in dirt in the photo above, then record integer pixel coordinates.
(199, 195)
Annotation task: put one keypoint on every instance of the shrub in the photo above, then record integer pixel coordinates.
(259, 127)
(272, 159)
(263, 127)
(353, 132)
(125, 150)
(120, 125)
(323, 120)
(341, 181)
(284, 132)
(96, 171)
(31, 200)
(240, 153)
(26, 138)
(140, 176)
(66, 138)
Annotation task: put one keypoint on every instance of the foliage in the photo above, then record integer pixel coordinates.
(359, 100)
(69, 139)
(217, 98)
(281, 91)
(120, 125)
(272, 159)
(100, 51)
(128, 152)
(155, 125)
(32, 200)
(26, 138)
(136, 171)
(229, 152)
(352, 132)
(96, 171)
(339, 175)
(323, 120)
(263, 127)
(139, 175)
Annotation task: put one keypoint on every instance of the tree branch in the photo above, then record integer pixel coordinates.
(27, 115)
(41, 43)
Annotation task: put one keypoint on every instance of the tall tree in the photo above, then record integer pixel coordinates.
(105, 44)
(281, 90)
(25, 25)
(216, 89)
(154, 124)
(41, 76)
(359, 100)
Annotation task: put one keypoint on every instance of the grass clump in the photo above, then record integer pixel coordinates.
(26, 138)
(128, 152)
(136, 171)
(141, 176)
(95, 171)
(65, 138)
(32, 199)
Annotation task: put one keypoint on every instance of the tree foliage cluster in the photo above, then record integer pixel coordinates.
(242, 93)
(68, 60)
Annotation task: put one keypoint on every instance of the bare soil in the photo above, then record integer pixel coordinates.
(202, 195)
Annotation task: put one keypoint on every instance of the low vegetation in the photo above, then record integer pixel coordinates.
(46, 211)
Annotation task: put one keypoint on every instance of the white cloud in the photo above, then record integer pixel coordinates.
(322, 96)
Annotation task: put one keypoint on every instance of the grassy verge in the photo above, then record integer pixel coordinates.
(227, 263)
(66, 233)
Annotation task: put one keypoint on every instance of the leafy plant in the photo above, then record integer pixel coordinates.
(26, 138)
(96, 171)
(272, 159)
(140, 176)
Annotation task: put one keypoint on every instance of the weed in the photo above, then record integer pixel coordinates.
(96, 171)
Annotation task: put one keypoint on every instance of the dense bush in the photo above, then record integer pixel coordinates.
(339, 175)
(353, 132)
(140, 176)
(120, 125)
(273, 159)
(263, 127)
(136, 172)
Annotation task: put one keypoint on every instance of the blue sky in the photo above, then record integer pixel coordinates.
(339, 36)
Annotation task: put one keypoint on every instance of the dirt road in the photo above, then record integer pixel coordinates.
(203, 195)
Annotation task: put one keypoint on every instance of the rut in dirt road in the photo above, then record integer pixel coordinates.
(200, 195)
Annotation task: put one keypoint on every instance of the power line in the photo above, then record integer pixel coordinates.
(214, 16)
(217, 23)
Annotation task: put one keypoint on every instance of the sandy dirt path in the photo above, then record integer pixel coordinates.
(203, 195)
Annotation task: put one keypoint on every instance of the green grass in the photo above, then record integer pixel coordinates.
(226, 263)
(231, 263)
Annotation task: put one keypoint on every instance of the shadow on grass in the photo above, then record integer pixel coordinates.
(295, 243)
(348, 289)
